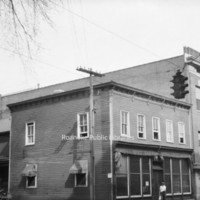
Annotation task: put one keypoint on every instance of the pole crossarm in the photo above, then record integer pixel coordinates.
(90, 71)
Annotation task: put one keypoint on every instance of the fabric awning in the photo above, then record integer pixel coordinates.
(30, 170)
(79, 166)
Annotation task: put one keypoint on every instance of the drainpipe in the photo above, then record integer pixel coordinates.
(9, 168)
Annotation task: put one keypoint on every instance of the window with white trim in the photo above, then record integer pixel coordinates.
(30, 133)
(125, 129)
(181, 132)
(169, 131)
(83, 125)
(141, 127)
(156, 128)
(133, 177)
(31, 181)
(177, 176)
(81, 180)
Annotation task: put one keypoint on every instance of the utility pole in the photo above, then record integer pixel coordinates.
(91, 128)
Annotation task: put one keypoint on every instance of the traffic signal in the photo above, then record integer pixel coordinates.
(180, 85)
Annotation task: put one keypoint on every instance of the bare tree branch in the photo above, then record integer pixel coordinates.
(21, 19)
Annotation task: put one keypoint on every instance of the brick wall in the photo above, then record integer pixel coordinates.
(150, 109)
(54, 157)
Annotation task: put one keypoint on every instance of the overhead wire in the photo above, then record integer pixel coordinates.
(113, 33)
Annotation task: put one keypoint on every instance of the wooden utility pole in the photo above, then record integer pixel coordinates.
(91, 128)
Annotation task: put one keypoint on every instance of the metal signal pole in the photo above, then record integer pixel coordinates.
(91, 128)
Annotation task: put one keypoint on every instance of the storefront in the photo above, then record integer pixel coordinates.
(139, 171)
(4, 160)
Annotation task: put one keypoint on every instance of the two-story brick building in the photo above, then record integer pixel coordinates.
(140, 139)
(141, 143)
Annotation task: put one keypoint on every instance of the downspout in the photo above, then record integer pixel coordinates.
(111, 143)
(9, 164)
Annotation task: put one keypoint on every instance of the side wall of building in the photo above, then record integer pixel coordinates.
(55, 119)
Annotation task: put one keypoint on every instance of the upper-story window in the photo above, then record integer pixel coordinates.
(125, 130)
(181, 132)
(30, 133)
(141, 127)
(156, 128)
(83, 125)
(169, 131)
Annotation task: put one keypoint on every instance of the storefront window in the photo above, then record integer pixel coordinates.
(135, 175)
(185, 176)
(177, 176)
(121, 177)
(168, 175)
(146, 176)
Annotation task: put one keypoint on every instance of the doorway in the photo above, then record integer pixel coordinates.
(156, 182)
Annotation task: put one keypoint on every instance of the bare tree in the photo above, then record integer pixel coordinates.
(20, 19)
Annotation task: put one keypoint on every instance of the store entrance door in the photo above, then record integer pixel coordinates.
(156, 180)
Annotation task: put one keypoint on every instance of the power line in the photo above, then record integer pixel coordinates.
(113, 33)
(38, 61)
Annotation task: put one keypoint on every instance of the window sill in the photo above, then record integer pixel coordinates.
(29, 144)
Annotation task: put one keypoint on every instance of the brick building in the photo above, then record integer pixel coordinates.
(150, 142)
(153, 130)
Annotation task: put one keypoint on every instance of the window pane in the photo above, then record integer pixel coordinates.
(185, 166)
(123, 165)
(176, 184)
(168, 175)
(168, 183)
(31, 181)
(135, 184)
(145, 165)
(146, 184)
(167, 165)
(186, 183)
(185, 175)
(176, 176)
(80, 179)
(176, 166)
(134, 164)
(122, 188)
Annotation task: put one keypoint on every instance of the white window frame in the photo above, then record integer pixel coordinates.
(181, 134)
(144, 128)
(181, 173)
(127, 125)
(78, 125)
(169, 131)
(35, 186)
(155, 130)
(27, 135)
(86, 176)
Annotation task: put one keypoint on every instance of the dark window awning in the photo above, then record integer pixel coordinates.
(29, 171)
(79, 166)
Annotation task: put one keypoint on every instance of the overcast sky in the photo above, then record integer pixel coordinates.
(104, 35)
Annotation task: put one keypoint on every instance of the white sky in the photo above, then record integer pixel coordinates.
(104, 35)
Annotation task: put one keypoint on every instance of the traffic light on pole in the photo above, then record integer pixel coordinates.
(180, 85)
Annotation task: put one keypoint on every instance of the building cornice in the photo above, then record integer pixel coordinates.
(84, 92)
